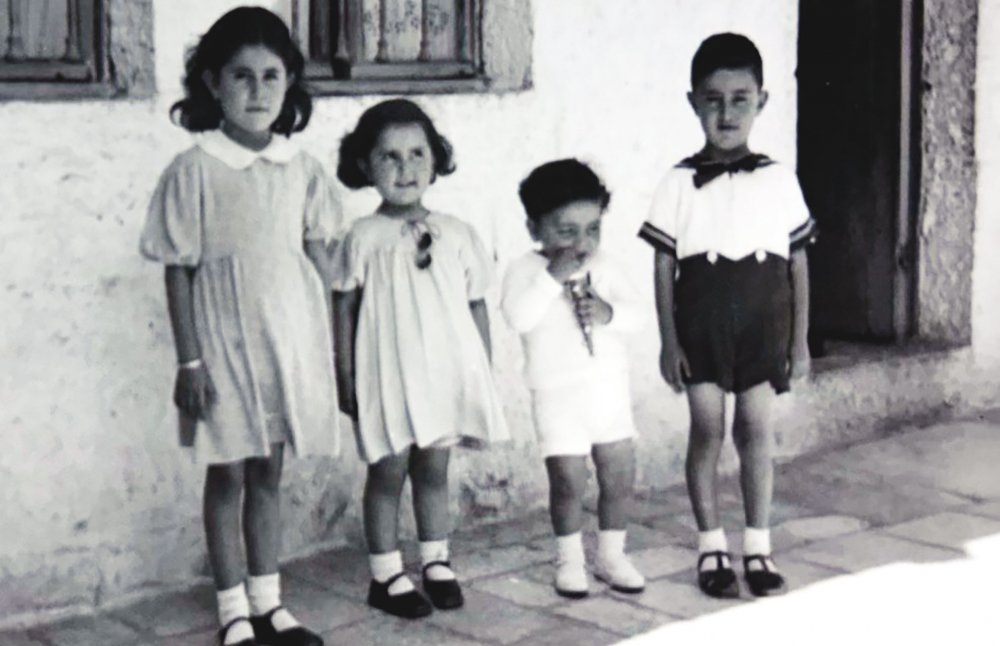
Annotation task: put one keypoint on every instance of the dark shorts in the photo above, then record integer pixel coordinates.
(734, 321)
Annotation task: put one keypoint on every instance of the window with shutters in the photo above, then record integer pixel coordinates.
(60, 48)
(404, 46)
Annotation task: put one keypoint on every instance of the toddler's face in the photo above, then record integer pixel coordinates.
(727, 101)
(575, 226)
(401, 164)
(251, 90)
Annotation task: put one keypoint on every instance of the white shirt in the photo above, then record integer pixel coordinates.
(537, 307)
(734, 215)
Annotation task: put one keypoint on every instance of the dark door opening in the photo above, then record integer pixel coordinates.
(857, 132)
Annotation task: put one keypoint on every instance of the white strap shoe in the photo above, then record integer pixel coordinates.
(571, 580)
(619, 573)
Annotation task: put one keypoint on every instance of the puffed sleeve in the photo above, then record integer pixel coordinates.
(660, 227)
(323, 218)
(348, 271)
(801, 227)
(173, 230)
(478, 265)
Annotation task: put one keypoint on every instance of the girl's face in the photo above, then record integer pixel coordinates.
(727, 102)
(251, 90)
(401, 164)
(575, 226)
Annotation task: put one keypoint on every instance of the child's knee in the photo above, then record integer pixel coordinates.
(225, 479)
(567, 476)
(264, 474)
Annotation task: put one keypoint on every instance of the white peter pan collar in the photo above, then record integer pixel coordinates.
(281, 150)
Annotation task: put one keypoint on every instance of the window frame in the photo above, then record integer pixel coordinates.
(117, 60)
(339, 76)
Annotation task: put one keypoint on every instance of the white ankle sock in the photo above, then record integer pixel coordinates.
(264, 593)
(756, 542)
(712, 540)
(431, 551)
(385, 566)
(570, 548)
(233, 604)
(610, 543)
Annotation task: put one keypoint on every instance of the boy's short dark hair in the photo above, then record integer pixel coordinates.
(726, 51)
(559, 183)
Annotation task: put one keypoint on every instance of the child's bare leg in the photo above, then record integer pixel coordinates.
(708, 409)
(615, 465)
(429, 479)
(383, 488)
(567, 482)
(221, 511)
(262, 511)
(754, 438)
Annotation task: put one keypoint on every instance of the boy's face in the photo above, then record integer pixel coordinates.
(574, 227)
(727, 101)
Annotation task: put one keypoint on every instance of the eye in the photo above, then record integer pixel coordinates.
(271, 75)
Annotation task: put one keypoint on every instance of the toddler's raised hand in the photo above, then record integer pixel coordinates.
(564, 262)
(194, 392)
(594, 309)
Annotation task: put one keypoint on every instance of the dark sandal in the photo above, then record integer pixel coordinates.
(445, 595)
(764, 582)
(225, 631)
(267, 635)
(409, 605)
(721, 582)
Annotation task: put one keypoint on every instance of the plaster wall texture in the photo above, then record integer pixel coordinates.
(99, 503)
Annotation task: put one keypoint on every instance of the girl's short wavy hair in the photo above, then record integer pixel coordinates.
(356, 146)
(558, 183)
(244, 26)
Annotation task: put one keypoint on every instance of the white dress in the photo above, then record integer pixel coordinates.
(239, 218)
(421, 371)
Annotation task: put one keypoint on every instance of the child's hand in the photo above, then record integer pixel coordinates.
(194, 392)
(674, 365)
(594, 309)
(564, 262)
(800, 364)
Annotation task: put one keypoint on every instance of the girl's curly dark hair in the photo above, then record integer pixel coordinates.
(357, 145)
(243, 26)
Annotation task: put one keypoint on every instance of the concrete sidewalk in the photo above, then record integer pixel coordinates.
(917, 496)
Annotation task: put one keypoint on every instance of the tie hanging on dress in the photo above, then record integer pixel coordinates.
(705, 171)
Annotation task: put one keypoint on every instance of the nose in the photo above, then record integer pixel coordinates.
(254, 88)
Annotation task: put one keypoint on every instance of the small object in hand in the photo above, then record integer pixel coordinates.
(578, 289)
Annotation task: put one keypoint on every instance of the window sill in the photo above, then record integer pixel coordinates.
(42, 91)
(842, 355)
(357, 87)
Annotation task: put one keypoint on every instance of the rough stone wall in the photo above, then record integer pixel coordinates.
(948, 173)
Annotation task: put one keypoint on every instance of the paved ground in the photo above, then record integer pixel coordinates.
(872, 537)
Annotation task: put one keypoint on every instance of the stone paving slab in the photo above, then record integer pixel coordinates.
(587, 635)
(867, 550)
(380, 629)
(860, 494)
(681, 599)
(19, 638)
(519, 589)
(102, 630)
(489, 618)
(990, 509)
(614, 615)
(949, 529)
(173, 614)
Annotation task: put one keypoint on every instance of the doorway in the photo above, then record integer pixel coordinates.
(858, 163)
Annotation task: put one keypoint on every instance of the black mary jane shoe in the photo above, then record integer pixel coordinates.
(764, 582)
(719, 582)
(264, 631)
(445, 595)
(409, 605)
(225, 631)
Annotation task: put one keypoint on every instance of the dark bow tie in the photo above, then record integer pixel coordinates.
(705, 171)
